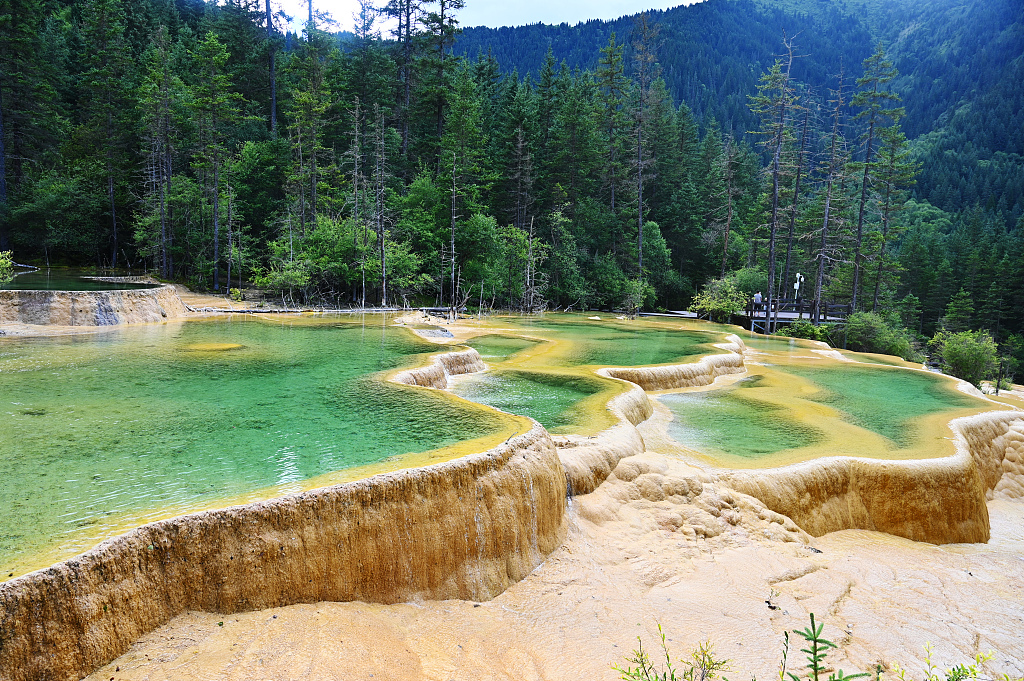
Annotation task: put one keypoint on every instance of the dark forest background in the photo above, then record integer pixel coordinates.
(654, 161)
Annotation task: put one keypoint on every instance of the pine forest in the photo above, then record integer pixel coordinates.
(871, 152)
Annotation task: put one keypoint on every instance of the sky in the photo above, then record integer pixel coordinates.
(498, 12)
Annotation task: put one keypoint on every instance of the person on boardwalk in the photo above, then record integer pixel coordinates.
(757, 301)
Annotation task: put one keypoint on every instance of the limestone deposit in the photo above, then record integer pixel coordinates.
(465, 529)
(699, 373)
(435, 374)
(654, 544)
(90, 308)
(308, 587)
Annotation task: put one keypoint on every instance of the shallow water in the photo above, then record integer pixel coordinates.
(883, 400)
(105, 431)
(798, 408)
(496, 348)
(612, 342)
(61, 279)
(554, 400)
(735, 423)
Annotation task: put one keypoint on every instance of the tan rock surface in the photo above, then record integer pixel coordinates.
(90, 308)
(463, 529)
(654, 545)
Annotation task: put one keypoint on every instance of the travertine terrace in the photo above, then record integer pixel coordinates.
(470, 528)
(90, 308)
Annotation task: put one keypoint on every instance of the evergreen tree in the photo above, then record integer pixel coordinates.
(612, 85)
(959, 313)
(106, 81)
(874, 100)
(894, 172)
(214, 106)
(773, 104)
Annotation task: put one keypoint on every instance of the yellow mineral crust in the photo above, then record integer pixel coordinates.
(463, 529)
(647, 530)
(90, 308)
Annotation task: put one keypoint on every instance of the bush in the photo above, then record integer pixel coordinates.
(719, 300)
(749, 280)
(802, 328)
(6, 266)
(970, 355)
(870, 332)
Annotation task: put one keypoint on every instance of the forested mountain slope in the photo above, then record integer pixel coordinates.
(961, 65)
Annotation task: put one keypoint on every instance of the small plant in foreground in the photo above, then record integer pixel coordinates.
(817, 650)
(702, 665)
(6, 266)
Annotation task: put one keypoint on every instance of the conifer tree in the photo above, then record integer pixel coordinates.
(612, 85)
(215, 106)
(834, 179)
(793, 209)
(773, 104)
(161, 97)
(106, 80)
(893, 173)
(646, 69)
(439, 30)
(407, 12)
(874, 100)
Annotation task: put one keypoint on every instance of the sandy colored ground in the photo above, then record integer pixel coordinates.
(702, 565)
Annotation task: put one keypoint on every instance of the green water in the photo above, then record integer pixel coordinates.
(92, 427)
(496, 348)
(732, 422)
(550, 399)
(57, 279)
(883, 400)
(624, 343)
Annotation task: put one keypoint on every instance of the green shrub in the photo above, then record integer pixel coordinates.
(870, 332)
(801, 328)
(970, 355)
(719, 300)
(704, 666)
(6, 266)
(749, 280)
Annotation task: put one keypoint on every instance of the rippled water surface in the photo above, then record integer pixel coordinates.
(100, 428)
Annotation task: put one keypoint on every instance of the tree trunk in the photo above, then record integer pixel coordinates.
(881, 252)
(453, 238)
(408, 79)
(230, 217)
(640, 196)
(796, 197)
(776, 171)
(273, 72)
(3, 176)
(216, 225)
(170, 238)
(113, 211)
(860, 215)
